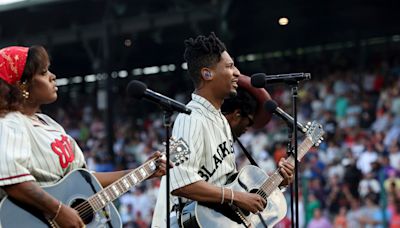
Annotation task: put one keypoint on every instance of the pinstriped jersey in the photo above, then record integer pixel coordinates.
(32, 150)
(210, 141)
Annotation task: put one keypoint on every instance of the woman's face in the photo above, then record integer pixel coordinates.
(42, 87)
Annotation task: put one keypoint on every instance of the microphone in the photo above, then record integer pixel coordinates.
(138, 90)
(271, 106)
(259, 80)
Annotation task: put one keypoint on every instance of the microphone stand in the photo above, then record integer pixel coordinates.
(290, 152)
(167, 125)
(293, 128)
(294, 86)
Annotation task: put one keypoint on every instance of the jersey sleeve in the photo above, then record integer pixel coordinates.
(15, 153)
(192, 131)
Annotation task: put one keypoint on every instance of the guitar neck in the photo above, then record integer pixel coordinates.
(115, 190)
(273, 181)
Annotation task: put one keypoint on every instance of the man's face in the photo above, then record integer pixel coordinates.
(226, 76)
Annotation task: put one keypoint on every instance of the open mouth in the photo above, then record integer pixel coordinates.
(235, 84)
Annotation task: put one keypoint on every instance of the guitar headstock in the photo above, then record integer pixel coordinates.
(315, 132)
(179, 151)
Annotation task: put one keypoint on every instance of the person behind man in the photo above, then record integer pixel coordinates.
(246, 109)
(207, 132)
(35, 150)
(239, 111)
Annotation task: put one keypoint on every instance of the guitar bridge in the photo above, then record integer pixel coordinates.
(241, 216)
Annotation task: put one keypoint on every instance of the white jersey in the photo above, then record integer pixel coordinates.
(38, 151)
(211, 157)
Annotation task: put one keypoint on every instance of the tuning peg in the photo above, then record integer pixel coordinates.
(319, 141)
(322, 138)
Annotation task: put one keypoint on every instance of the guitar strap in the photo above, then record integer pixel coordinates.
(248, 155)
(179, 212)
(89, 181)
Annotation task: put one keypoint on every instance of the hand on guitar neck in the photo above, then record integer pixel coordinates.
(161, 164)
(286, 170)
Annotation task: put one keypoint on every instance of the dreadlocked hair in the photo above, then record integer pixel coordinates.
(202, 52)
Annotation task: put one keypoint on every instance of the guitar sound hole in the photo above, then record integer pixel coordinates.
(84, 209)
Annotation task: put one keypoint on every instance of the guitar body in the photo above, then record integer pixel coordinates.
(74, 188)
(216, 215)
(251, 179)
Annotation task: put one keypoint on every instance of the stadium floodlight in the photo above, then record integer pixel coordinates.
(6, 5)
(7, 2)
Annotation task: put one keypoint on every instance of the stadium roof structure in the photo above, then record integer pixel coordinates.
(86, 36)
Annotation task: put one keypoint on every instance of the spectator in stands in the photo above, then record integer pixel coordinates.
(371, 213)
(340, 220)
(319, 220)
(354, 214)
(369, 185)
(312, 205)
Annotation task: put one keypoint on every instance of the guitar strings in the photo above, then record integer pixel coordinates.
(83, 210)
(268, 191)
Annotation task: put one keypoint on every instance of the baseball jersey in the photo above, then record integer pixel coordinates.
(32, 150)
(211, 156)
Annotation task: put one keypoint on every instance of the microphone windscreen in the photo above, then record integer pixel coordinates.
(136, 89)
(270, 106)
(258, 80)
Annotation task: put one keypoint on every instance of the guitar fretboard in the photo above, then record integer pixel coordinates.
(113, 191)
(276, 178)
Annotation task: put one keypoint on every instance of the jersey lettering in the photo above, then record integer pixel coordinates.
(218, 157)
(204, 176)
(223, 149)
(63, 149)
(217, 161)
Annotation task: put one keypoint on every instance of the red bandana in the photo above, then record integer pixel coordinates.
(12, 63)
